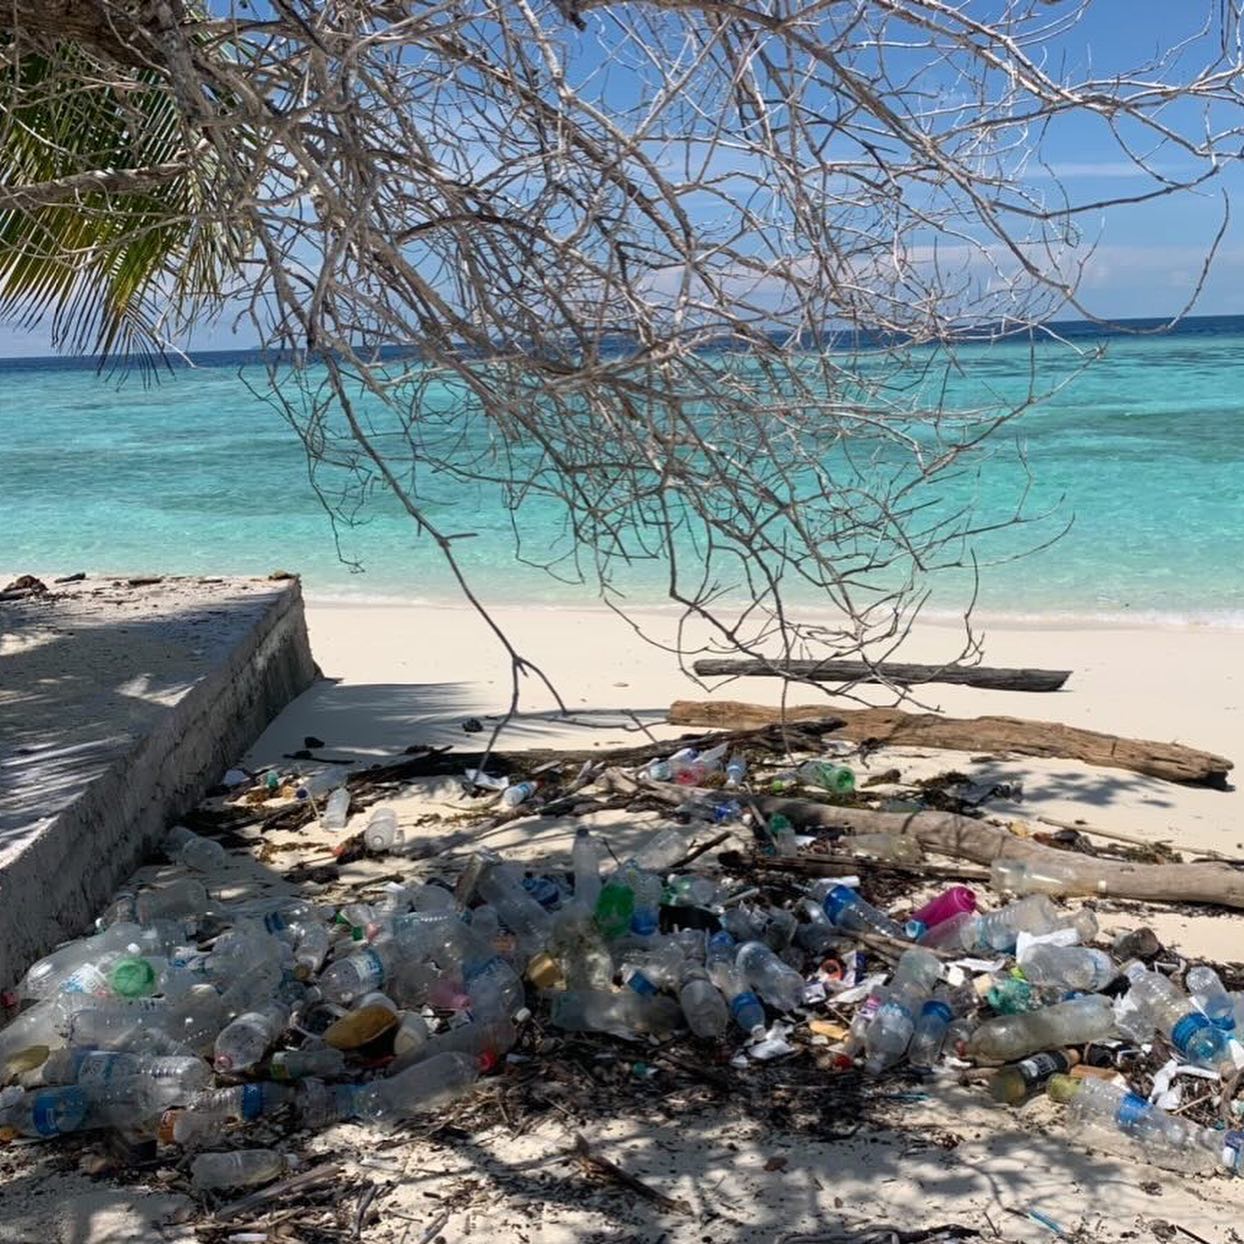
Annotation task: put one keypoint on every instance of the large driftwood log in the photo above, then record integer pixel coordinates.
(967, 839)
(964, 838)
(1171, 761)
(885, 671)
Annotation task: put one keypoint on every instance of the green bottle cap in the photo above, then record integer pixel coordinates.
(133, 978)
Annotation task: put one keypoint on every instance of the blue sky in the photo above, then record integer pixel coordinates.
(1148, 257)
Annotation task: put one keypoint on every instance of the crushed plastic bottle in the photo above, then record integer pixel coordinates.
(421, 1088)
(1078, 968)
(896, 848)
(1035, 914)
(892, 1028)
(184, 846)
(243, 1168)
(624, 1014)
(1011, 1037)
(1208, 993)
(243, 1042)
(319, 1060)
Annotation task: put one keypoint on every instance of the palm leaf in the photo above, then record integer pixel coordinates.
(103, 268)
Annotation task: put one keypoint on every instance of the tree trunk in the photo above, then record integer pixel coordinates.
(1171, 761)
(885, 671)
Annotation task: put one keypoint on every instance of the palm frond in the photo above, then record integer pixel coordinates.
(104, 267)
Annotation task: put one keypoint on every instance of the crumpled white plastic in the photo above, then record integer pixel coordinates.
(1166, 1093)
(773, 1044)
(1024, 942)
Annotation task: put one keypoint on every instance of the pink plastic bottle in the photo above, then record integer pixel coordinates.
(955, 901)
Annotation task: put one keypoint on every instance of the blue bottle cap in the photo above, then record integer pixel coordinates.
(935, 1006)
(839, 898)
(915, 929)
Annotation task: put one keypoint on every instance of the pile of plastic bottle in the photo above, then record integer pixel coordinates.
(185, 1019)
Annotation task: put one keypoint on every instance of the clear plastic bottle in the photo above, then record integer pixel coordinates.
(776, 982)
(423, 1087)
(184, 846)
(1075, 1022)
(929, 1035)
(646, 910)
(1017, 1082)
(785, 843)
(736, 770)
(47, 1112)
(312, 1060)
(1078, 968)
(360, 973)
(184, 898)
(662, 851)
(579, 947)
(381, 833)
(1206, 988)
(848, 911)
(486, 1041)
(585, 857)
(502, 886)
(1175, 1015)
(897, 848)
(890, 1033)
(835, 778)
(519, 793)
(1046, 877)
(207, 1116)
(243, 1042)
(336, 809)
(71, 1065)
(958, 934)
(1167, 1140)
(625, 1014)
(999, 929)
(243, 1168)
(702, 1004)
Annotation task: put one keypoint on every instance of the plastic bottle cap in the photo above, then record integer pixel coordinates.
(133, 978)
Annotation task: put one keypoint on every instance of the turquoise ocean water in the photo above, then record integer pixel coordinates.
(1144, 452)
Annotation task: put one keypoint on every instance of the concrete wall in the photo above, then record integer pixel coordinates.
(119, 705)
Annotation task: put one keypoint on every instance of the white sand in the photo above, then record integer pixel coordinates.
(413, 674)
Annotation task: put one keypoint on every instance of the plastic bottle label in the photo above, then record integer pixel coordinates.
(1041, 1066)
(1132, 1111)
(252, 1101)
(274, 922)
(374, 967)
(1233, 1151)
(46, 1107)
(87, 979)
(641, 984)
(97, 1067)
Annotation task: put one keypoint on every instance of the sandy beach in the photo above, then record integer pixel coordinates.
(413, 674)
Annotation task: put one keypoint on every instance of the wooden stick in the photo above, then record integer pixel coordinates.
(903, 673)
(295, 1183)
(602, 1166)
(891, 727)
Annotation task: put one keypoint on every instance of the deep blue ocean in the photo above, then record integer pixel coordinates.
(1143, 452)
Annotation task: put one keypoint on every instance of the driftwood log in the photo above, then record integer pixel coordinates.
(1170, 761)
(897, 672)
(965, 838)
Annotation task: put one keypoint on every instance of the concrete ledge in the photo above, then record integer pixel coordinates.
(119, 705)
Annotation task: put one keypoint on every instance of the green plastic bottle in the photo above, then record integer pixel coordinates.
(837, 779)
(614, 908)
